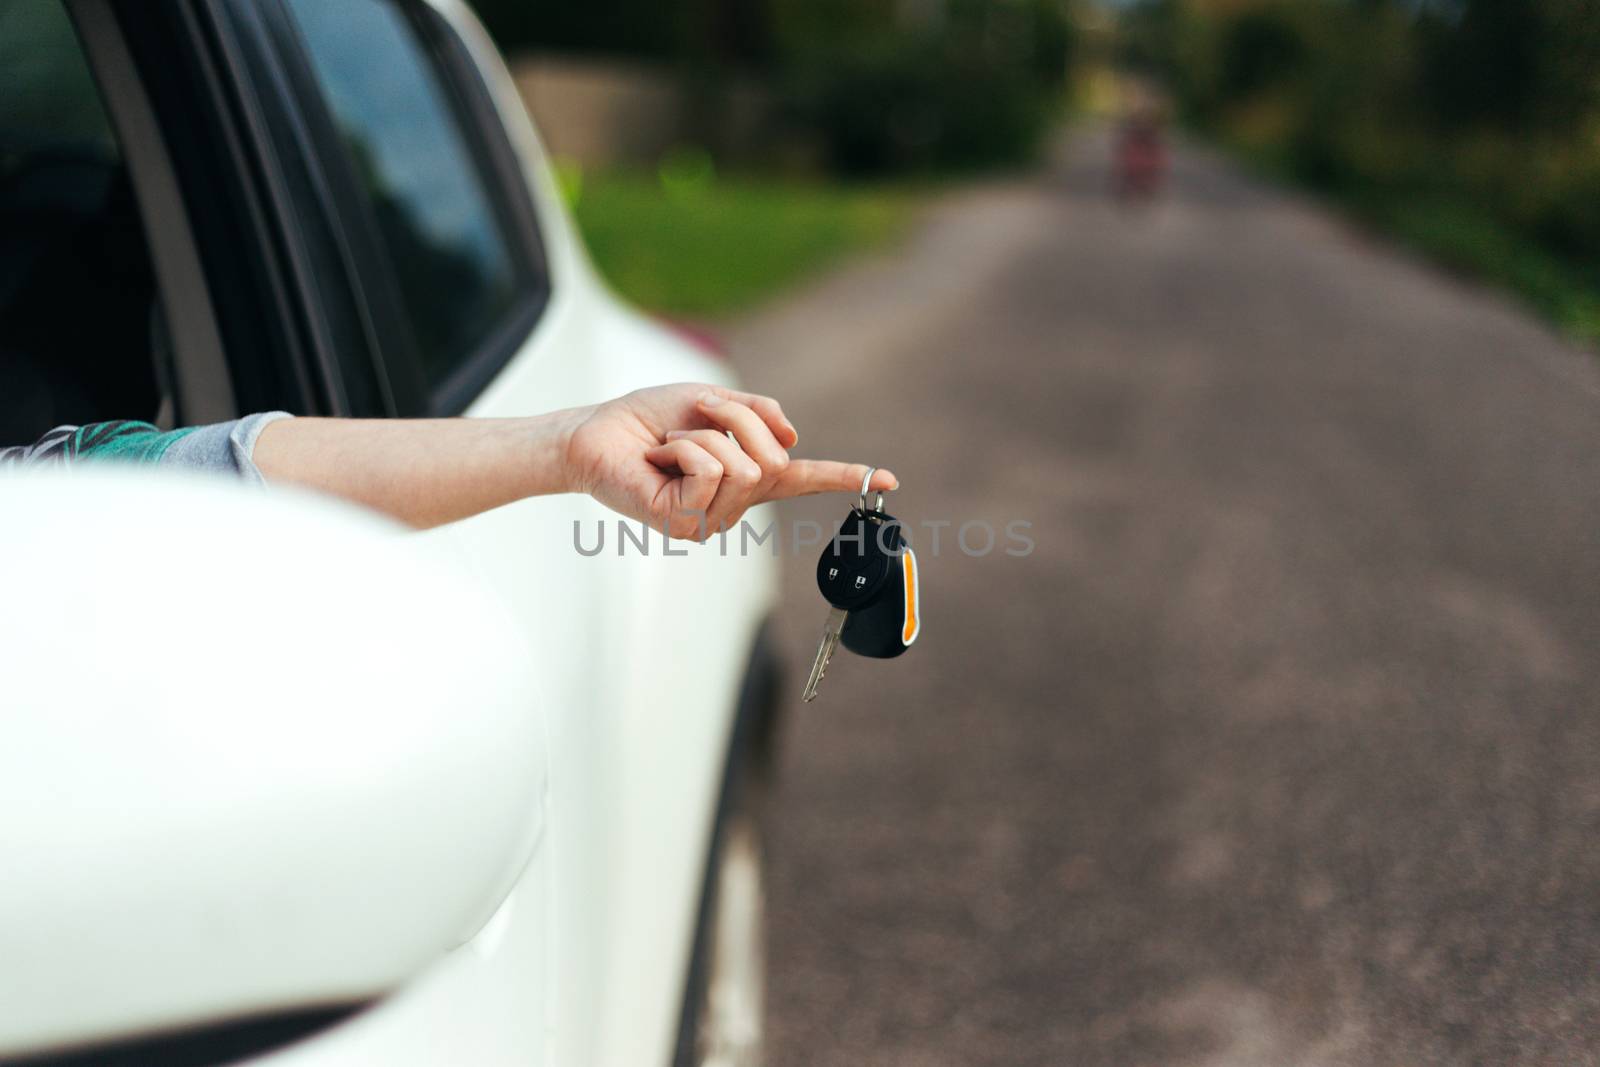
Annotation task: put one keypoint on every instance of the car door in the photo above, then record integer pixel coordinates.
(651, 650)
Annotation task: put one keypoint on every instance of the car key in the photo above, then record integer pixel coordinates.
(851, 572)
(868, 576)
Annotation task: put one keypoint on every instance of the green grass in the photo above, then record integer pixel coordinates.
(710, 246)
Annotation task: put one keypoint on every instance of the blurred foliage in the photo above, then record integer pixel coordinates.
(860, 86)
(1471, 127)
(966, 83)
(639, 28)
(746, 237)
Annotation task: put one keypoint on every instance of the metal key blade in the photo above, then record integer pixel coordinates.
(830, 640)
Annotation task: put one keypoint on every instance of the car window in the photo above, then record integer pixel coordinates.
(443, 237)
(80, 327)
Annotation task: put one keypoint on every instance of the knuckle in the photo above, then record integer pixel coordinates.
(779, 462)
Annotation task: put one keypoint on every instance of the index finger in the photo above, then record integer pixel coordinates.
(770, 411)
(806, 476)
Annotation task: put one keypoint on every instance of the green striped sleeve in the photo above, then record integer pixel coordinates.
(123, 442)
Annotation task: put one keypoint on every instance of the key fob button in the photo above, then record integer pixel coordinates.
(855, 583)
(855, 567)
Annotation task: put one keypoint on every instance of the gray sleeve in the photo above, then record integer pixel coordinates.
(226, 447)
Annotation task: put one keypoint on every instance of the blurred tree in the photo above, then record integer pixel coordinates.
(1474, 122)
(1513, 64)
(906, 85)
(877, 85)
(1261, 50)
(611, 27)
(731, 31)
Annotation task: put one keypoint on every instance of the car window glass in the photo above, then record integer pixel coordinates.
(80, 330)
(442, 236)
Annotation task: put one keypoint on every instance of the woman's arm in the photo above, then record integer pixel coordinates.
(424, 472)
(663, 456)
(687, 458)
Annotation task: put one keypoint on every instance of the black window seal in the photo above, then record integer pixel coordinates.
(327, 280)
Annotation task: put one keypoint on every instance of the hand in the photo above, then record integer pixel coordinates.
(663, 456)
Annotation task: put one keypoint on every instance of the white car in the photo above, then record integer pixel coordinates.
(278, 783)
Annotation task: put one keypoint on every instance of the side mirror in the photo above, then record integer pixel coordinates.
(257, 751)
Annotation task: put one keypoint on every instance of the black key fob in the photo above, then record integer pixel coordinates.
(887, 625)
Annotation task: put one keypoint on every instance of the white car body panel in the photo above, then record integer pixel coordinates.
(194, 828)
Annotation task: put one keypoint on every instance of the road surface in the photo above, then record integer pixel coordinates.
(1282, 747)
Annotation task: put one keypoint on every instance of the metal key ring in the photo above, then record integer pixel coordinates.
(865, 482)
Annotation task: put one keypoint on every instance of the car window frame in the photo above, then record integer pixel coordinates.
(506, 190)
(202, 385)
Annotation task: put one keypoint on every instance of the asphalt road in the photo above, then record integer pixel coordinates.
(1282, 747)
